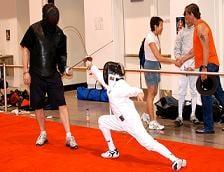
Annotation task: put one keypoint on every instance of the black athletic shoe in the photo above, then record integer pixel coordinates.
(195, 120)
(178, 122)
(204, 131)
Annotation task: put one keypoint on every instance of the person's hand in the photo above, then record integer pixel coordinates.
(178, 62)
(203, 76)
(140, 96)
(178, 58)
(88, 62)
(68, 71)
(26, 78)
(89, 72)
(189, 69)
(87, 58)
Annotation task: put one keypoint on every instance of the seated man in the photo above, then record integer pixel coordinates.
(125, 116)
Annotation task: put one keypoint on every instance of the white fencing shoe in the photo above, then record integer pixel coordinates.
(154, 125)
(42, 139)
(110, 154)
(178, 164)
(70, 142)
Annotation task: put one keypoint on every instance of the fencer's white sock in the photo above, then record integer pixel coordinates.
(68, 134)
(193, 104)
(172, 158)
(161, 149)
(43, 132)
(180, 105)
(108, 138)
(111, 145)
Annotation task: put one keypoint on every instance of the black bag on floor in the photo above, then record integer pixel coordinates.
(217, 110)
(167, 107)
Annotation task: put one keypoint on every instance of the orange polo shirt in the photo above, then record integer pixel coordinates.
(197, 47)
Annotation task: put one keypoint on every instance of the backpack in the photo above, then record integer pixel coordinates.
(141, 54)
(167, 107)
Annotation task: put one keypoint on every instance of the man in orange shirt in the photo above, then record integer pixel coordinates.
(206, 60)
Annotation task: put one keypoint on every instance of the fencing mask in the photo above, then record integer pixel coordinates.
(50, 14)
(113, 72)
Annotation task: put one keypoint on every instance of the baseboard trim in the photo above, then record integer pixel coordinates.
(74, 86)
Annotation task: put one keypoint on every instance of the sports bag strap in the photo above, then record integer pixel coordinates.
(102, 88)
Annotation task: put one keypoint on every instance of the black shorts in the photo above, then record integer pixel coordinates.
(52, 85)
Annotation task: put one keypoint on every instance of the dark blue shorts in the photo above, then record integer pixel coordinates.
(52, 85)
(152, 78)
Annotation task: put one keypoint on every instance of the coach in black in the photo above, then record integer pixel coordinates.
(44, 62)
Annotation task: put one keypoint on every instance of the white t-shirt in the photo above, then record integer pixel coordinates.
(151, 37)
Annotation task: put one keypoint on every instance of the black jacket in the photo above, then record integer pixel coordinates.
(47, 49)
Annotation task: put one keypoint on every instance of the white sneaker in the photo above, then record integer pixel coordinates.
(70, 142)
(42, 139)
(145, 118)
(154, 125)
(110, 154)
(178, 164)
(159, 126)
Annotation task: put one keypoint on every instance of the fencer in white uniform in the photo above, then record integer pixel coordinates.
(124, 115)
(182, 49)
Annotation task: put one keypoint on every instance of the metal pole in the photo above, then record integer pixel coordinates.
(163, 71)
(5, 89)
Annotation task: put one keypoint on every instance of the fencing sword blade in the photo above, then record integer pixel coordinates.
(101, 48)
(77, 63)
(83, 60)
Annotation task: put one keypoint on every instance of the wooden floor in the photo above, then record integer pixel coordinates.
(78, 110)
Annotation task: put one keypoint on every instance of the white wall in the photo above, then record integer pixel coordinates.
(136, 23)
(164, 12)
(23, 21)
(35, 10)
(221, 37)
(8, 21)
(98, 31)
(136, 17)
(118, 33)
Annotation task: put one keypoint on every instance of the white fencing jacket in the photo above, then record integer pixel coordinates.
(119, 95)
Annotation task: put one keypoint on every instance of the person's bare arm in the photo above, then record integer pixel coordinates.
(187, 56)
(25, 60)
(203, 37)
(157, 54)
